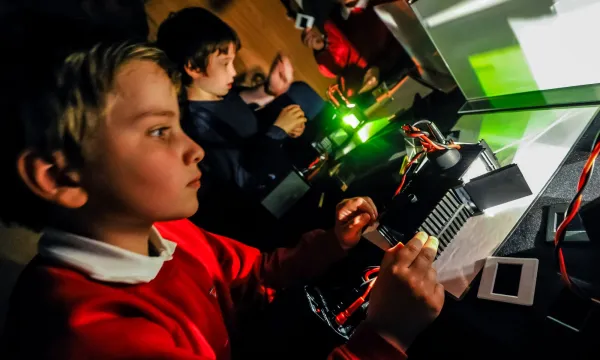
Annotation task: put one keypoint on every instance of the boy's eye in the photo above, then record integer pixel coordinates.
(160, 132)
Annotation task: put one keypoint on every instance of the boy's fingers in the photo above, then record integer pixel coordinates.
(409, 252)
(360, 221)
(374, 214)
(431, 277)
(439, 291)
(277, 59)
(351, 206)
(390, 256)
(298, 110)
(300, 120)
(427, 254)
(295, 110)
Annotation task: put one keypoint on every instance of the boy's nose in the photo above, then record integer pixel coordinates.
(195, 153)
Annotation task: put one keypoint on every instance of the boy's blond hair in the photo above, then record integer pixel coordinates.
(60, 115)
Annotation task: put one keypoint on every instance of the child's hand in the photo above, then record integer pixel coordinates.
(290, 118)
(352, 216)
(281, 76)
(313, 38)
(297, 132)
(406, 296)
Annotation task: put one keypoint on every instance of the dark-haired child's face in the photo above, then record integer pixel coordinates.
(144, 167)
(218, 78)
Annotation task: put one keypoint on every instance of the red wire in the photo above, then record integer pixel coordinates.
(342, 317)
(406, 173)
(428, 146)
(315, 162)
(367, 275)
(575, 209)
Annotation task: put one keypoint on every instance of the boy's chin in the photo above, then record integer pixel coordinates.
(180, 214)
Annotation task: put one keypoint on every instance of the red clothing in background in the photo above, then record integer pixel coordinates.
(338, 53)
(183, 313)
(363, 40)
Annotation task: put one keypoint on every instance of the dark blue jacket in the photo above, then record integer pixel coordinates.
(239, 148)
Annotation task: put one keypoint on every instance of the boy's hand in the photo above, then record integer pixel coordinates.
(313, 38)
(406, 296)
(290, 118)
(280, 76)
(297, 132)
(352, 216)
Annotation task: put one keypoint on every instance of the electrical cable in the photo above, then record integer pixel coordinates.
(406, 171)
(343, 316)
(428, 122)
(572, 211)
(428, 145)
(324, 303)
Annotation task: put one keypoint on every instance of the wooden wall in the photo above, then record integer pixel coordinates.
(263, 29)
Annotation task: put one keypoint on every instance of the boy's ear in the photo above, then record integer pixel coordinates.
(52, 181)
(193, 72)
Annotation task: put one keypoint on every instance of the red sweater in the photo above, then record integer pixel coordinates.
(183, 313)
(362, 40)
(338, 54)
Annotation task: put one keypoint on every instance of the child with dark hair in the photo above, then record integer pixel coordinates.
(106, 171)
(242, 147)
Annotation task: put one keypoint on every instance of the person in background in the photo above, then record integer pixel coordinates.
(352, 41)
(100, 162)
(337, 58)
(242, 146)
(321, 10)
(332, 51)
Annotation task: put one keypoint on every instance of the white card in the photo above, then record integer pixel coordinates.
(304, 21)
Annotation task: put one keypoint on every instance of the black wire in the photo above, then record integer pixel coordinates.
(325, 308)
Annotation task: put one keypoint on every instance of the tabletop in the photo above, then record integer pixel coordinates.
(499, 330)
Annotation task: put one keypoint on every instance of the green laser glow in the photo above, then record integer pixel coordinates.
(370, 129)
(351, 120)
(503, 71)
(364, 133)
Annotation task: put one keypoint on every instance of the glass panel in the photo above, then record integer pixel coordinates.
(500, 47)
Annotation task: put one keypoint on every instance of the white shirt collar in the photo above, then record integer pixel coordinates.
(103, 261)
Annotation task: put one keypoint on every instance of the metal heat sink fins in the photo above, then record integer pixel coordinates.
(446, 220)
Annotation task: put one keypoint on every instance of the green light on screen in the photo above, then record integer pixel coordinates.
(370, 129)
(351, 120)
(364, 133)
(503, 71)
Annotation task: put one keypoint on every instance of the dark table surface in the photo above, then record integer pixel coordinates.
(479, 328)
(476, 328)
(471, 327)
